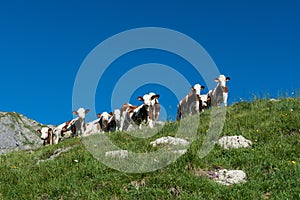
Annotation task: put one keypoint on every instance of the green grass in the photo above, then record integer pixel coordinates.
(272, 164)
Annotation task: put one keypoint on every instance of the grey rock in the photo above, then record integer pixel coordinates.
(229, 177)
(18, 132)
(233, 142)
(169, 140)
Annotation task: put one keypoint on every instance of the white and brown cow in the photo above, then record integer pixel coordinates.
(92, 127)
(154, 107)
(191, 103)
(107, 122)
(137, 115)
(206, 100)
(219, 95)
(67, 129)
(117, 118)
(64, 130)
(80, 124)
(52, 135)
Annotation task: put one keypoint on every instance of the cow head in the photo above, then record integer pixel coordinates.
(104, 119)
(222, 80)
(154, 98)
(196, 89)
(46, 135)
(105, 116)
(81, 113)
(148, 99)
(45, 132)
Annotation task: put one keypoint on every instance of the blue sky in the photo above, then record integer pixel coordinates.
(44, 43)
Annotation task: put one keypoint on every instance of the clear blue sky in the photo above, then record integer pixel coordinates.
(43, 44)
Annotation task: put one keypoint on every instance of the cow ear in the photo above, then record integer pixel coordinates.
(202, 87)
(216, 80)
(111, 113)
(140, 98)
(50, 131)
(75, 113)
(227, 78)
(87, 110)
(192, 88)
(39, 131)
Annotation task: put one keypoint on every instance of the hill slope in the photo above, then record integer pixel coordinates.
(17, 132)
(272, 164)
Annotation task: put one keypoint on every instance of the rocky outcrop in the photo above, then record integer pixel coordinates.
(18, 132)
(56, 153)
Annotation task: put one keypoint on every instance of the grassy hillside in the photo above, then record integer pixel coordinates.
(272, 164)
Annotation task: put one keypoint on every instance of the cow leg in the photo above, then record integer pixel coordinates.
(157, 111)
(197, 106)
(125, 121)
(122, 121)
(151, 123)
(225, 96)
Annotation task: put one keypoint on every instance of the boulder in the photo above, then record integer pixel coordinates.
(229, 177)
(233, 142)
(169, 140)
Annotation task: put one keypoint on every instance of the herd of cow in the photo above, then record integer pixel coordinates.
(130, 116)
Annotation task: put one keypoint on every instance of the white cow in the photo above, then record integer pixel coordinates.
(190, 104)
(219, 95)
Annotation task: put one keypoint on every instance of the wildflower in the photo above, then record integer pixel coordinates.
(14, 167)
(257, 130)
(293, 162)
(76, 161)
(292, 110)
